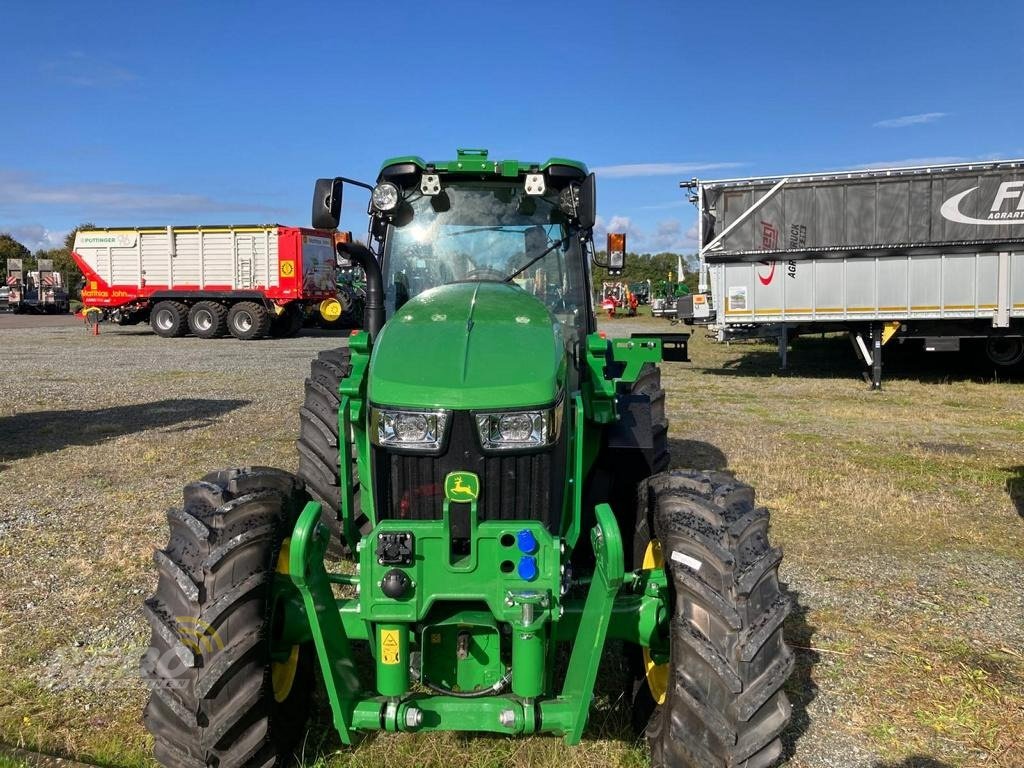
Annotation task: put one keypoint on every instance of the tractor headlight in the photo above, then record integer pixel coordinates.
(415, 430)
(385, 196)
(519, 429)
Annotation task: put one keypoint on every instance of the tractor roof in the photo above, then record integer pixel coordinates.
(475, 161)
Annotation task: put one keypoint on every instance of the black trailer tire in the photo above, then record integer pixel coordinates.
(728, 661)
(214, 700)
(318, 447)
(169, 319)
(248, 320)
(208, 319)
(1005, 351)
(288, 323)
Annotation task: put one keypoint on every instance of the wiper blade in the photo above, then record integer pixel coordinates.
(535, 259)
(483, 229)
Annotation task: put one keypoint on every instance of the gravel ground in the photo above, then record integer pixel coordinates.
(98, 434)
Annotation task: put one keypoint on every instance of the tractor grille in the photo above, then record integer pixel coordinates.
(522, 486)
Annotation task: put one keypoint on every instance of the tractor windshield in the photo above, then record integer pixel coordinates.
(480, 231)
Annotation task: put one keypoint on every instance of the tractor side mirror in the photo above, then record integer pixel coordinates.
(327, 203)
(586, 213)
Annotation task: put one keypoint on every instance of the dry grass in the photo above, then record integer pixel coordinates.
(896, 511)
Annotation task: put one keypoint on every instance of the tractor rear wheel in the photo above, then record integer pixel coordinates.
(318, 447)
(288, 323)
(222, 693)
(722, 700)
(208, 319)
(248, 320)
(169, 319)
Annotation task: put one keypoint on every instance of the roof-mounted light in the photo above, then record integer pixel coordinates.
(385, 197)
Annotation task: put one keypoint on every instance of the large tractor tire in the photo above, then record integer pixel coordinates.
(222, 694)
(319, 454)
(718, 701)
(208, 319)
(169, 319)
(248, 320)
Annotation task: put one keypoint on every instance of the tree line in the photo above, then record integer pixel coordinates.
(10, 248)
(650, 266)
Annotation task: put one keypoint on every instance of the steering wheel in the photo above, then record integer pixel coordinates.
(484, 273)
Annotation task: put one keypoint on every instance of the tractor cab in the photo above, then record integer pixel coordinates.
(525, 225)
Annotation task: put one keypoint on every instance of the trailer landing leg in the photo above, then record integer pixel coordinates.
(872, 358)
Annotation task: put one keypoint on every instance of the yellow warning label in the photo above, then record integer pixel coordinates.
(389, 646)
(287, 268)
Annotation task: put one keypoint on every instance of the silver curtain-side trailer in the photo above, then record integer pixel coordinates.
(932, 252)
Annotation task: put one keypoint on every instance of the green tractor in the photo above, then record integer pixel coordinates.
(499, 473)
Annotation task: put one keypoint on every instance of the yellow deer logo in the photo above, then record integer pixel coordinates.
(461, 487)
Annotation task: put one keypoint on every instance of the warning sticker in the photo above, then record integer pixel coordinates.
(287, 268)
(389, 646)
(737, 298)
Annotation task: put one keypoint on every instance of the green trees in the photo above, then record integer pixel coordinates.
(650, 266)
(12, 249)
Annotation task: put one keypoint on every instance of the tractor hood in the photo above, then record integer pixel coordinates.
(468, 346)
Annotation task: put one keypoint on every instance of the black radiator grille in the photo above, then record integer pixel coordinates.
(523, 486)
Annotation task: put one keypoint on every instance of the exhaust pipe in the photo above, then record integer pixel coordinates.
(373, 319)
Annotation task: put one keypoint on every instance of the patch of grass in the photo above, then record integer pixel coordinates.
(946, 696)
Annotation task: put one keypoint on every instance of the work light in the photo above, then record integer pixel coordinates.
(415, 430)
(385, 196)
(519, 429)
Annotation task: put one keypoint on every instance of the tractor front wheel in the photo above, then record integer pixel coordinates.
(319, 449)
(721, 699)
(223, 693)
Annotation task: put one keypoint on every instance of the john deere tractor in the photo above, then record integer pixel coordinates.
(498, 470)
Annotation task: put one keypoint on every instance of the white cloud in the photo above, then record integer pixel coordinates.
(78, 69)
(912, 162)
(668, 235)
(36, 237)
(907, 120)
(93, 200)
(631, 170)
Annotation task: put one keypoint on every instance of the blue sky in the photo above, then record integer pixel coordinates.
(215, 112)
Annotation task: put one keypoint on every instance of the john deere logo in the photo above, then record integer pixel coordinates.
(461, 487)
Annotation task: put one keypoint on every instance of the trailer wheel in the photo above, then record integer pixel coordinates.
(169, 319)
(1005, 351)
(248, 320)
(318, 447)
(288, 323)
(208, 319)
(222, 692)
(721, 694)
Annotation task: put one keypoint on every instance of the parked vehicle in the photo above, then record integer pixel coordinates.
(933, 254)
(35, 291)
(499, 470)
(249, 281)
